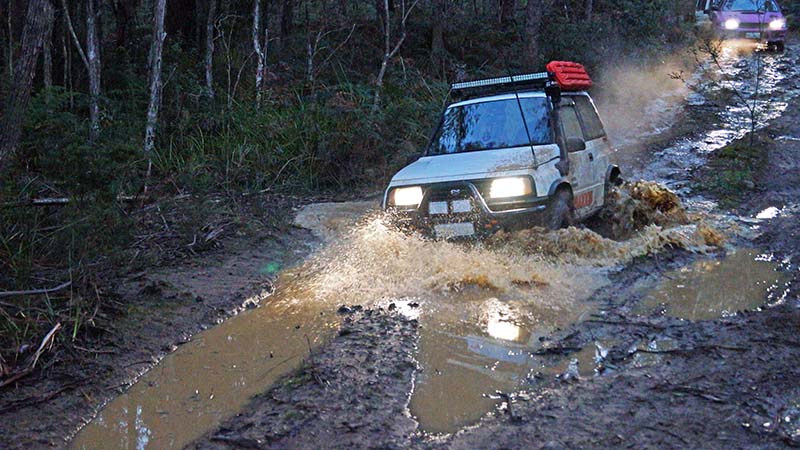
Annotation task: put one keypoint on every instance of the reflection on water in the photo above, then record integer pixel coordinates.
(712, 288)
(471, 346)
(211, 377)
(769, 213)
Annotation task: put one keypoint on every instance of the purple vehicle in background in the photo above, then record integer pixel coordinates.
(758, 20)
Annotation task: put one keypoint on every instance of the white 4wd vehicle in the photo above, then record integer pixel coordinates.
(515, 152)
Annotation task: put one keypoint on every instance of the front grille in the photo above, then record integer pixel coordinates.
(446, 201)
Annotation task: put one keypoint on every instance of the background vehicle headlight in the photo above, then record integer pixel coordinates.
(731, 24)
(407, 196)
(777, 24)
(510, 187)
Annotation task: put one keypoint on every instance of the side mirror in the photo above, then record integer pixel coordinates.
(575, 144)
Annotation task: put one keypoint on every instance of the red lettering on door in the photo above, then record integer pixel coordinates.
(583, 200)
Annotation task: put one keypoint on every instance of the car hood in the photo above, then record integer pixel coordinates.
(464, 166)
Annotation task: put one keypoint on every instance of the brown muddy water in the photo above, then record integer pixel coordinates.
(481, 310)
(711, 288)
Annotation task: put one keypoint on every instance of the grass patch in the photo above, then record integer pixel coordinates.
(731, 172)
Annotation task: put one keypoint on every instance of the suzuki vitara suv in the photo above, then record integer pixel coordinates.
(512, 152)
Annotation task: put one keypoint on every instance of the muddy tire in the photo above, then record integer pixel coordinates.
(560, 211)
(776, 47)
(611, 185)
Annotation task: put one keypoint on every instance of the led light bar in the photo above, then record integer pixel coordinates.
(499, 81)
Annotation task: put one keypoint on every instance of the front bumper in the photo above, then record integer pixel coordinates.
(443, 213)
(753, 35)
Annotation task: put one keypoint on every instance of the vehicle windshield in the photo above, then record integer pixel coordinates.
(492, 125)
(751, 5)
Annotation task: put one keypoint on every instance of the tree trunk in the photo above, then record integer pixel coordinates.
(588, 7)
(156, 48)
(212, 14)
(37, 21)
(388, 51)
(124, 11)
(91, 60)
(47, 58)
(507, 8)
(287, 17)
(259, 50)
(534, 13)
(93, 66)
(10, 30)
(438, 52)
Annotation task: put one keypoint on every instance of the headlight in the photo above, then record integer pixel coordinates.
(731, 24)
(777, 24)
(510, 187)
(407, 196)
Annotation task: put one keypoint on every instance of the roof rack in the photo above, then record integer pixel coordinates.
(542, 77)
(568, 75)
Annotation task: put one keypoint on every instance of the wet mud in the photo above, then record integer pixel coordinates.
(690, 352)
(350, 395)
(532, 339)
(164, 307)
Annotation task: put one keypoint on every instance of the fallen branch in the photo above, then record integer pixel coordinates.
(666, 431)
(36, 291)
(47, 343)
(60, 201)
(689, 391)
(692, 349)
(623, 323)
(28, 402)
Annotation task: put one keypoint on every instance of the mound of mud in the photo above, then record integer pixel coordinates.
(635, 206)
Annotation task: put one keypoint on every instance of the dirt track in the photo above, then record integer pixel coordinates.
(664, 383)
(718, 384)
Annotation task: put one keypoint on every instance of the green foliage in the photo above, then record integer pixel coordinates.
(732, 170)
(331, 140)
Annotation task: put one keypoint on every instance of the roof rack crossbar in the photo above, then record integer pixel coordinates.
(502, 81)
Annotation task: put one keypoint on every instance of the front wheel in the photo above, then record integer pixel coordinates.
(560, 210)
(776, 46)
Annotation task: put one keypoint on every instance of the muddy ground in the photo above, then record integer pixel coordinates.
(721, 383)
(151, 313)
(663, 382)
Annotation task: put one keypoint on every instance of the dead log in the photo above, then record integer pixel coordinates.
(36, 291)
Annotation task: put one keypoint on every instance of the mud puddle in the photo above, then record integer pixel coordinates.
(211, 377)
(472, 346)
(712, 288)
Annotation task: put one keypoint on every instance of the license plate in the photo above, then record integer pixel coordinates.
(752, 35)
(450, 230)
(437, 208)
(462, 206)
